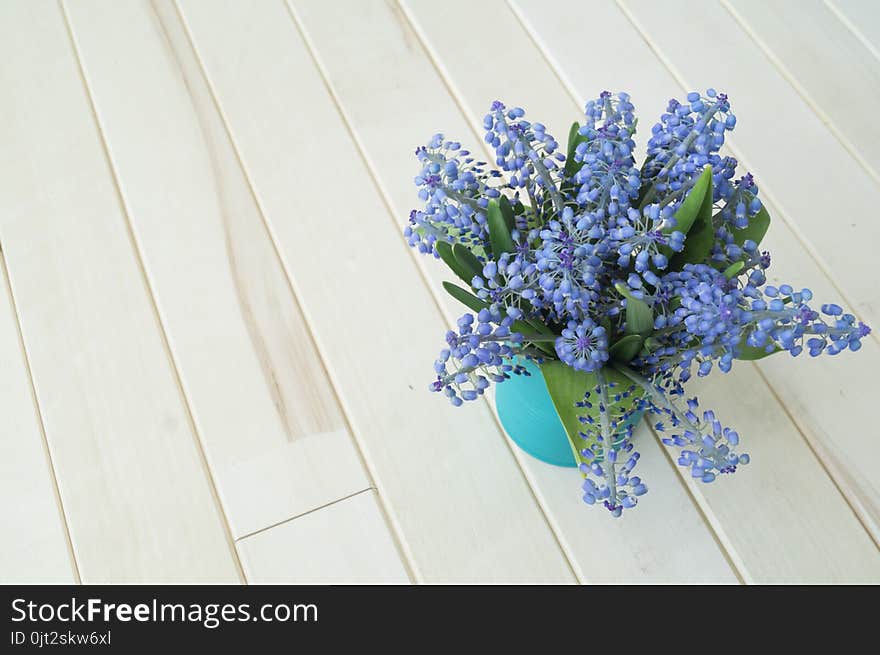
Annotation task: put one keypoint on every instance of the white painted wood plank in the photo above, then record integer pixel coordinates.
(452, 487)
(273, 432)
(132, 480)
(389, 60)
(34, 548)
(826, 62)
(767, 503)
(812, 390)
(344, 543)
(845, 440)
(863, 18)
(825, 195)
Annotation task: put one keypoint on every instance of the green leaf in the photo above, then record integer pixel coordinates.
(626, 347)
(733, 270)
(750, 353)
(465, 297)
(639, 317)
(574, 138)
(444, 249)
(755, 230)
(573, 134)
(525, 326)
(468, 261)
(652, 344)
(507, 213)
(567, 387)
(701, 232)
(499, 233)
(547, 347)
(538, 327)
(690, 209)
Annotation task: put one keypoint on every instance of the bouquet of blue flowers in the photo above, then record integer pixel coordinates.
(617, 279)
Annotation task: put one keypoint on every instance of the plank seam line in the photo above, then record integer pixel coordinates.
(802, 92)
(306, 513)
(518, 455)
(727, 550)
(47, 451)
(813, 449)
(419, 266)
(548, 58)
(679, 78)
(153, 304)
(687, 490)
(390, 212)
(772, 199)
(400, 544)
(843, 18)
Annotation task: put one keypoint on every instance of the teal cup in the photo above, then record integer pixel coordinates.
(530, 419)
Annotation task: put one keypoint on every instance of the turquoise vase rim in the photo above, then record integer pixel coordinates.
(529, 417)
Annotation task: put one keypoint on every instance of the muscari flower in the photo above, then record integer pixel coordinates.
(480, 352)
(527, 153)
(578, 236)
(568, 263)
(608, 180)
(583, 346)
(687, 138)
(717, 317)
(456, 190)
(507, 280)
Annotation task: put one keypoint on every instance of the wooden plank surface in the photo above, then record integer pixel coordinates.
(274, 435)
(797, 154)
(214, 345)
(344, 543)
(810, 389)
(751, 511)
(34, 548)
(452, 487)
(133, 482)
(389, 59)
(862, 17)
(827, 64)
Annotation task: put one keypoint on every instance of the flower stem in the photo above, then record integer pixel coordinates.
(605, 422)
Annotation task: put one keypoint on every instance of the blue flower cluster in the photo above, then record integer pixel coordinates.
(479, 352)
(608, 461)
(583, 346)
(718, 320)
(644, 273)
(527, 153)
(685, 141)
(456, 190)
(607, 180)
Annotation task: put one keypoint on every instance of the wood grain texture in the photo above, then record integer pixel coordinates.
(34, 548)
(862, 17)
(752, 512)
(827, 64)
(273, 432)
(344, 543)
(214, 346)
(798, 153)
(452, 487)
(811, 390)
(390, 60)
(132, 480)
